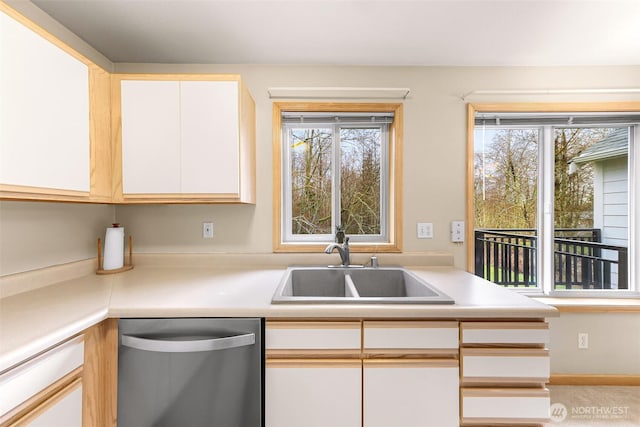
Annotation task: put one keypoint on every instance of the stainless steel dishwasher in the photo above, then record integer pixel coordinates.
(191, 372)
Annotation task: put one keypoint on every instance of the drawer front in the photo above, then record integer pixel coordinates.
(505, 406)
(292, 337)
(505, 333)
(509, 366)
(26, 380)
(410, 336)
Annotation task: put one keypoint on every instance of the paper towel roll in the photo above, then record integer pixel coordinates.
(114, 248)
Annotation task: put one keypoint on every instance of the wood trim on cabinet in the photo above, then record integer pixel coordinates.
(504, 392)
(25, 192)
(507, 352)
(553, 107)
(99, 393)
(100, 134)
(42, 400)
(247, 146)
(410, 353)
(395, 207)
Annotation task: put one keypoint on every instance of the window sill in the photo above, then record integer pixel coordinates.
(320, 247)
(592, 305)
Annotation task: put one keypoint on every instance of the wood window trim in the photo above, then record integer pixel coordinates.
(395, 174)
(552, 107)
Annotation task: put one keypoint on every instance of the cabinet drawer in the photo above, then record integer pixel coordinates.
(320, 338)
(505, 406)
(28, 379)
(505, 333)
(410, 337)
(515, 366)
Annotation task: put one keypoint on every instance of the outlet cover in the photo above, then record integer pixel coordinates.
(207, 230)
(583, 340)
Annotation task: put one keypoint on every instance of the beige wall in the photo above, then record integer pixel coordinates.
(434, 147)
(614, 343)
(35, 235)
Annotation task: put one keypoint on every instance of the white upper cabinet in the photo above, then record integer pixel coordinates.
(210, 133)
(44, 113)
(185, 138)
(151, 137)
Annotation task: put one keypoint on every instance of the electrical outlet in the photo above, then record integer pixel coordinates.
(583, 340)
(207, 230)
(425, 230)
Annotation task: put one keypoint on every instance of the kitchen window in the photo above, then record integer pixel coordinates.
(554, 206)
(337, 169)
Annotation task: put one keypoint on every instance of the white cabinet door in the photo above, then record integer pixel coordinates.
(313, 393)
(44, 112)
(65, 410)
(180, 137)
(210, 137)
(410, 393)
(150, 136)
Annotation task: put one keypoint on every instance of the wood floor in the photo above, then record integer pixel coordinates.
(595, 406)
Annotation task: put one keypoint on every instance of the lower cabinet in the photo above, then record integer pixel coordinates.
(504, 370)
(362, 374)
(62, 409)
(410, 393)
(46, 390)
(313, 393)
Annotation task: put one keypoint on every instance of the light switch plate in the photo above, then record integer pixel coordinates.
(425, 230)
(457, 231)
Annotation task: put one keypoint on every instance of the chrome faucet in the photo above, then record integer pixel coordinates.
(343, 250)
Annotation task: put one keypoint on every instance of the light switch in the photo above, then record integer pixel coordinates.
(457, 231)
(425, 230)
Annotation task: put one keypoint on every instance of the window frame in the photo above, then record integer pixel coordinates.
(393, 185)
(545, 185)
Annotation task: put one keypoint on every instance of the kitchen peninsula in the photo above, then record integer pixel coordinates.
(196, 286)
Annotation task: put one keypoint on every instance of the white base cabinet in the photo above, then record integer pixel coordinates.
(313, 393)
(64, 409)
(410, 393)
(46, 390)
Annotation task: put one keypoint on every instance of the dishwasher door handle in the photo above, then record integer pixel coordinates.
(188, 344)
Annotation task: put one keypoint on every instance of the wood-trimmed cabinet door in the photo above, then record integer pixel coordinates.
(183, 139)
(313, 393)
(46, 390)
(44, 115)
(410, 392)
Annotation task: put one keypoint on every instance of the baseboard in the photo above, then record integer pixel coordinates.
(593, 379)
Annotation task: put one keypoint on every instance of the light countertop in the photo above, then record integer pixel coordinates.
(31, 322)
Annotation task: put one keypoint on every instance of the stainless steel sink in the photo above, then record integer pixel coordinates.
(344, 285)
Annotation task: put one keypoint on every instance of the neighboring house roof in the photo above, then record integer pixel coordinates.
(614, 145)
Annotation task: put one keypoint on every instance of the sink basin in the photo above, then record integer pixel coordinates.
(344, 285)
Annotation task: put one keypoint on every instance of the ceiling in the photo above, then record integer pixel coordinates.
(358, 32)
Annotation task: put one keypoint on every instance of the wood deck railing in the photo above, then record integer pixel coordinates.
(508, 257)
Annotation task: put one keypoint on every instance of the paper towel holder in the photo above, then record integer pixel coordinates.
(125, 267)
